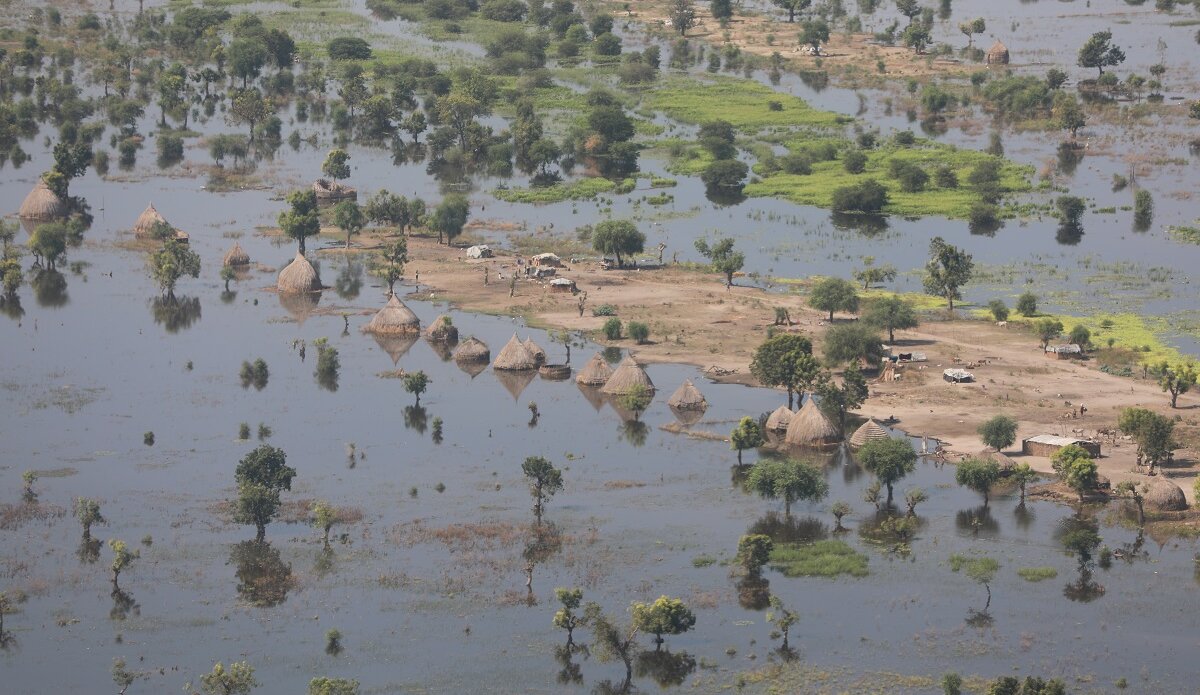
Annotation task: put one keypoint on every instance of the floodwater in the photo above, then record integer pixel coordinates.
(430, 588)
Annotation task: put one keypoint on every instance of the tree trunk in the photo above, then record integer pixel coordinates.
(831, 315)
(987, 605)
(985, 499)
(261, 534)
(889, 499)
(739, 457)
(791, 18)
(951, 300)
(789, 397)
(891, 335)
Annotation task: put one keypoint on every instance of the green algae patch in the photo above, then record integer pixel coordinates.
(581, 189)
(819, 559)
(746, 104)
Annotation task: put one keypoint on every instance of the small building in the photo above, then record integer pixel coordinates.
(480, 251)
(546, 260)
(1047, 444)
(540, 272)
(1064, 352)
(997, 54)
(330, 192)
(562, 285)
(958, 376)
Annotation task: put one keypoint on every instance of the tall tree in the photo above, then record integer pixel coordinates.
(891, 314)
(785, 360)
(948, 269)
(301, 221)
(837, 401)
(998, 432)
(336, 164)
(682, 15)
(888, 460)
(834, 294)
(1075, 467)
(1176, 380)
(449, 217)
(248, 106)
(721, 9)
(1153, 434)
(618, 237)
(349, 217)
(666, 616)
(1099, 52)
(260, 477)
(544, 481)
(747, 435)
(979, 475)
(792, 7)
(723, 257)
(790, 481)
(173, 261)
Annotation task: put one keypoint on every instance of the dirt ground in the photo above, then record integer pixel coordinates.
(695, 319)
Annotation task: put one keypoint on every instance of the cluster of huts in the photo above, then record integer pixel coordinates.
(810, 428)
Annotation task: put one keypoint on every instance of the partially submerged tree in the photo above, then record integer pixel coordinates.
(839, 510)
(123, 557)
(301, 221)
(610, 640)
(390, 265)
(665, 616)
(980, 569)
(261, 475)
(754, 551)
(1099, 52)
(837, 401)
(238, 679)
(783, 619)
(1075, 467)
(747, 435)
(888, 460)
(416, 383)
(1023, 474)
(1135, 491)
(544, 481)
(173, 261)
(336, 164)
(979, 475)
(87, 511)
(566, 617)
(788, 480)
(323, 517)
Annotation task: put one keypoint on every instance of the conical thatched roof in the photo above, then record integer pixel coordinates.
(1005, 462)
(997, 54)
(442, 330)
(394, 319)
(472, 351)
(779, 419)
(687, 397)
(515, 381)
(236, 256)
(43, 204)
(514, 356)
(539, 355)
(298, 277)
(629, 375)
(146, 221)
(595, 373)
(1165, 496)
(396, 345)
(868, 432)
(810, 427)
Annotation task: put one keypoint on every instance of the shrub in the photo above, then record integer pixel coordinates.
(639, 331)
(605, 310)
(612, 329)
(349, 48)
(869, 197)
(1027, 304)
(945, 177)
(999, 309)
(796, 164)
(904, 138)
(912, 178)
(854, 161)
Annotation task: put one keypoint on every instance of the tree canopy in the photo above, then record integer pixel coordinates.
(948, 269)
(785, 360)
(834, 294)
(788, 480)
(618, 237)
(888, 460)
(998, 432)
(891, 314)
(723, 257)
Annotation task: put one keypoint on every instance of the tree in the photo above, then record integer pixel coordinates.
(1176, 380)
(871, 274)
(1027, 304)
(1080, 336)
(237, 680)
(636, 400)
(948, 269)
(998, 432)
(814, 33)
(908, 8)
(969, 29)
(838, 401)
(248, 106)
(785, 360)
(1023, 474)
(415, 383)
(171, 95)
(834, 294)
(123, 557)
(173, 261)
(390, 266)
(1047, 329)
(87, 511)
(912, 498)
(852, 342)
(788, 480)
(324, 515)
(1137, 492)
(981, 569)
(682, 15)
(725, 178)
(754, 551)
(336, 164)
(246, 59)
(349, 217)
(1153, 434)
(979, 475)
(839, 510)
(301, 221)
(48, 243)
(723, 258)
(721, 9)
(718, 138)
(792, 7)
(322, 685)
(747, 435)
(610, 640)
(891, 314)
(1068, 113)
(782, 618)
(916, 37)
(544, 481)
(666, 616)
(70, 161)
(348, 48)
(618, 237)
(1098, 52)
(566, 617)
(260, 477)
(1070, 210)
(868, 197)
(888, 460)
(450, 216)
(1075, 467)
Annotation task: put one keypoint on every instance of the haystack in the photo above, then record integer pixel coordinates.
(43, 204)
(1165, 496)
(472, 351)
(779, 419)
(811, 428)
(539, 355)
(146, 221)
(515, 381)
(628, 376)
(514, 356)
(595, 373)
(396, 345)
(687, 397)
(394, 319)
(236, 256)
(298, 277)
(442, 330)
(869, 432)
(997, 54)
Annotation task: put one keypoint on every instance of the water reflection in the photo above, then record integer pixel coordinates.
(123, 605)
(175, 313)
(978, 522)
(50, 288)
(665, 668)
(754, 592)
(866, 225)
(88, 551)
(349, 280)
(415, 418)
(10, 306)
(1080, 536)
(634, 432)
(570, 673)
(1024, 517)
(790, 529)
(264, 579)
(1069, 157)
(227, 296)
(325, 561)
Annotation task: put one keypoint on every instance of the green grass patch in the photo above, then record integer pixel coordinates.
(1187, 235)
(579, 189)
(703, 561)
(820, 559)
(743, 103)
(660, 199)
(1037, 574)
(1134, 332)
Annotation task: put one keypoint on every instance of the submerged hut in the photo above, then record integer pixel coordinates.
(43, 204)
(809, 427)
(997, 54)
(539, 355)
(688, 397)
(595, 373)
(298, 277)
(472, 351)
(331, 191)
(1165, 496)
(515, 357)
(779, 419)
(148, 220)
(868, 432)
(394, 319)
(628, 376)
(442, 330)
(236, 256)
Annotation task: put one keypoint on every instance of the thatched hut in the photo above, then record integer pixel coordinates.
(396, 345)
(628, 376)
(515, 381)
(868, 432)
(779, 419)
(688, 397)
(555, 372)
(809, 427)
(394, 319)
(514, 356)
(442, 330)
(298, 277)
(43, 204)
(148, 220)
(1165, 496)
(236, 256)
(1005, 462)
(997, 54)
(472, 351)
(595, 373)
(539, 355)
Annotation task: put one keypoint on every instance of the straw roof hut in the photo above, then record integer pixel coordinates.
(396, 345)
(997, 54)
(394, 319)
(514, 381)
(628, 376)
(779, 418)
(514, 356)
(539, 355)
(868, 432)
(236, 256)
(146, 221)
(1165, 496)
(43, 204)
(595, 373)
(1005, 462)
(472, 351)
(688, 397)
(298, 277)
(442, 330)
(809, 427)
